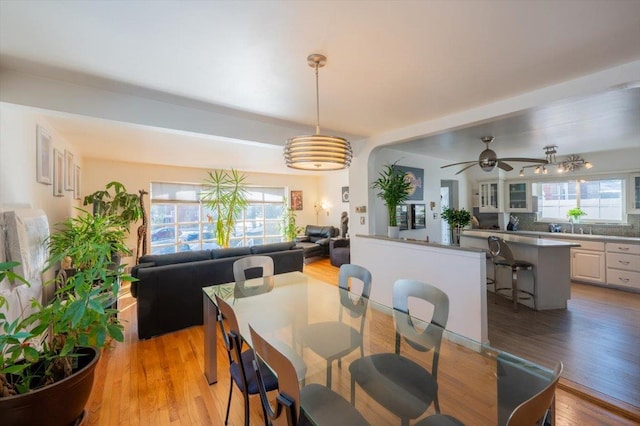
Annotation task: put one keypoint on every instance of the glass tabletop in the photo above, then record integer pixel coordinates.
(389, 364)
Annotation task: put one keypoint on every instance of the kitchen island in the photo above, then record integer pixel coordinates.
(551, 260)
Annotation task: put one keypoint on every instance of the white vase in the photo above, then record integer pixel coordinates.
(393, 231)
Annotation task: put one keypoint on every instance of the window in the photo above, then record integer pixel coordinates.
(180, 221)
(602, 199)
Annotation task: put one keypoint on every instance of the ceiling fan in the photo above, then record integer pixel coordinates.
(488, 159)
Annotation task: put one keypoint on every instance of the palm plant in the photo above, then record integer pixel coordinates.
(225, 194)
(393, 189)
(121, 205)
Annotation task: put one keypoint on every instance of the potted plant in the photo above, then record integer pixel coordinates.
(457, 219)
(120, 204)
(49, 357)
(575, 213)
(225, 195)
(393, 189)
(289, 228)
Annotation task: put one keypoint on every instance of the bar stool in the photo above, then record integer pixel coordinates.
(503, 257)
(491, 280)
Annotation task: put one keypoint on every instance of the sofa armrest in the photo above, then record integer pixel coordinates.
(301, 239)
(323, 241)
(134, 274)
(339, 242)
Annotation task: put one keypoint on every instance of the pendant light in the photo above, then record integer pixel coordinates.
(317, 152)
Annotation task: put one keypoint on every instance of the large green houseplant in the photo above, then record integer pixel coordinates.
(290, 229)
(57, 346)
(116, 202)
(225, 194)
(393, 188)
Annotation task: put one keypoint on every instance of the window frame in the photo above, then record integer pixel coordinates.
(535, 183)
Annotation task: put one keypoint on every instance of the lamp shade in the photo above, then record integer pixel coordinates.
(318, 152)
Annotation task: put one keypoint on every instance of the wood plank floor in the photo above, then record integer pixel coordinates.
(160, 381)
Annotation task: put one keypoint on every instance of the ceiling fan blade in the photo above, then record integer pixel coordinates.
(457, 164)
(504, 166)
(525, 160)
(468, 167)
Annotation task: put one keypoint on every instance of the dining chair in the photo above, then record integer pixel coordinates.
(244, 264)
(241, 368)
(313, 404)
(333, 340)
(503, 258)
(534, 411)
(401, 385)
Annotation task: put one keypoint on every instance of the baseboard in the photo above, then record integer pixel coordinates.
(620, 408)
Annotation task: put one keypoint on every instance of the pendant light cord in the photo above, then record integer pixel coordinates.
(317, 103)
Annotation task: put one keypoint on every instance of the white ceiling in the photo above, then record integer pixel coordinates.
(390, 64)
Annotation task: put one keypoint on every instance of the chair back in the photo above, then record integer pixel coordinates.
(240, 266)
(231, 335)
(534, 410)
(498, 248)
(287, 410)
(355, 307)
(431, 336)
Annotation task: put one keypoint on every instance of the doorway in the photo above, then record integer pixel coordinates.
(448, 198)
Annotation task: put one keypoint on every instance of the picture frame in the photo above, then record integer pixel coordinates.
(58, 173)
(76, 182)
(416, 177)
(296, 200)
(44, 156)
(68, 170)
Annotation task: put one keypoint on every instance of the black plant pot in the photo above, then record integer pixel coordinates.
(59, 404)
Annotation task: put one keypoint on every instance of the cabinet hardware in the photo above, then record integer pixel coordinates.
(624, 280)
(623, 262)
(623, 248)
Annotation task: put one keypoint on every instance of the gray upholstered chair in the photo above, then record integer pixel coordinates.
(296, 406)
(333, 340)
(415, 388)
(241, 266)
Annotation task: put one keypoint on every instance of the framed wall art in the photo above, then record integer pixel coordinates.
(76, 182)
(44, 156)
(58, 173)
(416, 177)
(296, 200)
(68, 170)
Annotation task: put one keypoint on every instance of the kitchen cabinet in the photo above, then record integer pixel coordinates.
(623, 265)
(587, 265)
(518, 195)
(634, 193)
(489, 197)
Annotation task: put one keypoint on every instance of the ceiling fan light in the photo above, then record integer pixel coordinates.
(560, 169)
(588, 165)
(521, 172)
(544, 170)
(537, 170)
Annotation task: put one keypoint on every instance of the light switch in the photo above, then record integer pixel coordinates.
(361, 220)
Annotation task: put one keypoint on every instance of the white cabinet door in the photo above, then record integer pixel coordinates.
(588, 266)
(489, 197)
(518, 196)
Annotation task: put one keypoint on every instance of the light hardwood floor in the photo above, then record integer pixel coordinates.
(160, 381)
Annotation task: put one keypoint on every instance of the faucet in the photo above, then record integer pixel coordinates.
(581, 231)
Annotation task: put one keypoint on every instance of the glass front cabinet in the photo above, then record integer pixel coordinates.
(518, 196)
(634, 193)
(488, 197)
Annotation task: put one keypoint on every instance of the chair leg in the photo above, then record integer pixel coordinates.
(246, 408)
(514, 288)
(329, 374)
(436, 404)
(353, 391)
(226, 417)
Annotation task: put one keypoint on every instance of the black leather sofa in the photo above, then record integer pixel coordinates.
(169, 286)
(315, 241)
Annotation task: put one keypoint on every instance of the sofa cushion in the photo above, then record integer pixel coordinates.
(180, 257)
(268, 248)
(230, 252)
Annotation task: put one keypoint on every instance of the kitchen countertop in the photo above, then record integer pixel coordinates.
(512, 237)
(562, 235)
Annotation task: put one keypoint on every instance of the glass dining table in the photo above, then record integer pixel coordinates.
(359, 348)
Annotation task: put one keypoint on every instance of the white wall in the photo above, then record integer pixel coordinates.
(330, 191)
(18, 185)
(431, 192)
